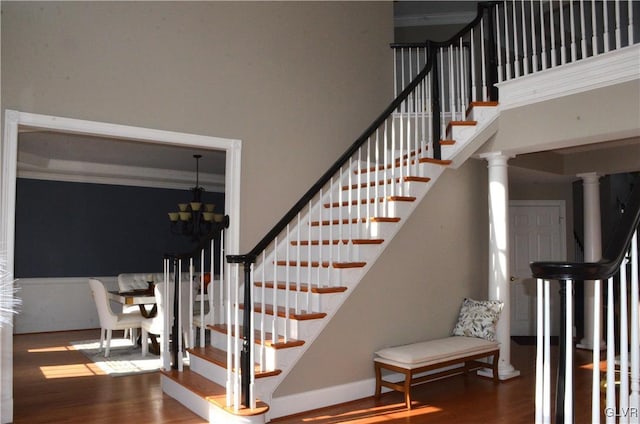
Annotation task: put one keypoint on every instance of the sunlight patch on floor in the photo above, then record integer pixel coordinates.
(373, 415)
(69, 371)
(51, 349)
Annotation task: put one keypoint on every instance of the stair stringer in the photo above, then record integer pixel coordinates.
(287, 358)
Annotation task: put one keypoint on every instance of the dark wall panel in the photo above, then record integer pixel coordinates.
(78, 229)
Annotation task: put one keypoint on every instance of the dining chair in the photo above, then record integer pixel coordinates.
(155, 325)
(202, 320)
(109, 320)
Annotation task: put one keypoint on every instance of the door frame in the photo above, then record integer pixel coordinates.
(14, 120)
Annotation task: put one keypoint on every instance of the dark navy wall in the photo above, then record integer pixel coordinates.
(78, 229)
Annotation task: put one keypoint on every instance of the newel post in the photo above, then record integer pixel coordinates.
(246, 355)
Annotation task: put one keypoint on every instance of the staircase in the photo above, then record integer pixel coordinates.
(317, 266)
(273, 302)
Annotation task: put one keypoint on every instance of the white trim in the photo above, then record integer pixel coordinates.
(99, 173)
(15, 119)
(614, 67)
(314, 399)
(433, 19)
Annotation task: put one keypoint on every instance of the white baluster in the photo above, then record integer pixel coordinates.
(574, 52)
(534, 46)
(298, 264)
(274, 296)
(618, 25)
(525, 39)
(595, 380)
(252, 341)
(568, 394)
(630, 23)
(443, 124)
(539, 352)
(474, 96)
(634, 398)
(395, 72)
(552, 33)
(222, 278)
(263, 295)
(543, 38)
(483, 63)
(594, 26)
(308, 295)
(563, 52)
(605, 19)
(611, 355)
(499, 47)
(583, 31)
(287, 283)
(507, 58)
(516, 53)
(624, 346)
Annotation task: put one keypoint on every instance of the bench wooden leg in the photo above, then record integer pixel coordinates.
(407, 388)
(496, 377)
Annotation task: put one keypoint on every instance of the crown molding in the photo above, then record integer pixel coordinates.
(35, 167)
(433, 19)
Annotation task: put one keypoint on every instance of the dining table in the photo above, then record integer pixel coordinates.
(146, 302)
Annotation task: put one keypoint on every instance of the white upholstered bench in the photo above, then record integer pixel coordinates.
(418, 358)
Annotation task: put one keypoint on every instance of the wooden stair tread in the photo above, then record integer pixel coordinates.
(372, 200)
(219, 357)
(436, 161)
(480, 104)
(323, 264)
(397, 163)
(379, 219)
(281, 312)
(303, 287)
(387, 181)
(211, 391)
(335, 242)
(447, 142)
(268, 342)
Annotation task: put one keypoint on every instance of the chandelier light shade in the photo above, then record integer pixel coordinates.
(195, 218)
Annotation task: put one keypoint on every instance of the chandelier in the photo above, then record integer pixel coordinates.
(195, 218)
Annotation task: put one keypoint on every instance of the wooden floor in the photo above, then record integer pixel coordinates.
(55, 384)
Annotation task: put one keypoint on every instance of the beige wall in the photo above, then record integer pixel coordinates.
(438, 258)
(297, 82)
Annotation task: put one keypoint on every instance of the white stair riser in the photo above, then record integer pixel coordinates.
(461, 133)
(387, 209)
(326, 276)
(336, 250)
(302, 300)
(347, 231)
(482, 113)
(195, 403)
(403, 189)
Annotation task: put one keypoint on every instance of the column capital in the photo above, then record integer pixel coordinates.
(496, 158)
(589, 177)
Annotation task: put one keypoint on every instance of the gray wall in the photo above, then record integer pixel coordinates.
(297, 83)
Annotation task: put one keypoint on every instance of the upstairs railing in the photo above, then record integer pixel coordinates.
(618, 267)
(535, 35)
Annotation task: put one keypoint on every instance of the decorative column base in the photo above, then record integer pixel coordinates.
(503, 373)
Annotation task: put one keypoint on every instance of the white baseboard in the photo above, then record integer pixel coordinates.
(314, 399)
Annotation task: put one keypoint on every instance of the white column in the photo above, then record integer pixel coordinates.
(592, 251)
(499, 256)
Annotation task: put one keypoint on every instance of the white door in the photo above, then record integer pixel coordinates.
(537, 233)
